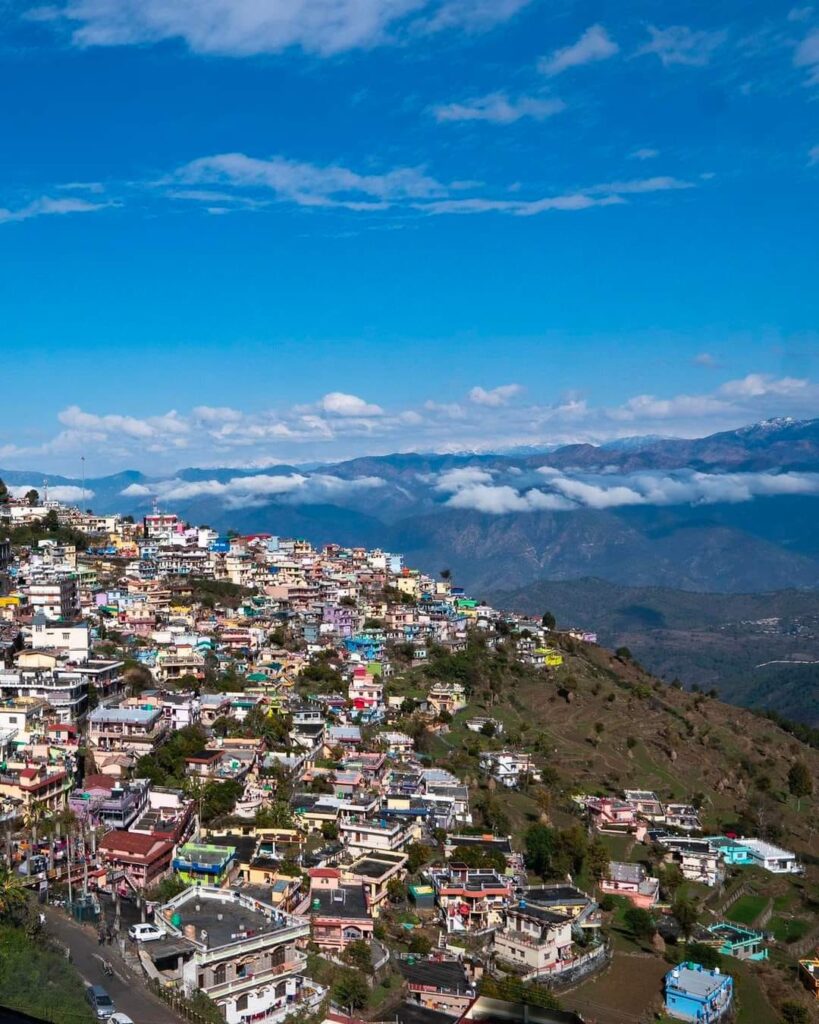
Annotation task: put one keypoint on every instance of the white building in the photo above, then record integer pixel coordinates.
(772, 858)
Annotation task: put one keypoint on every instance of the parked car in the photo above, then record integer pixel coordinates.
(145, 932)
(100, 1002)
(119, 1018)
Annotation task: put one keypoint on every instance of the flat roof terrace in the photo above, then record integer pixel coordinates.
(225, 917)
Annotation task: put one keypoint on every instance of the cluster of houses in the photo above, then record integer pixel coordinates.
(358, 799)
(74, 731)
(675, 831)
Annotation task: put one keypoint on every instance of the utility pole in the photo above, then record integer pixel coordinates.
(68, 853)
(84, 862)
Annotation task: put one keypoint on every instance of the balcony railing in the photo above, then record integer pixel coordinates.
(255, 980)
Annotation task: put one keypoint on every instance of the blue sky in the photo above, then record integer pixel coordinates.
(243, 231)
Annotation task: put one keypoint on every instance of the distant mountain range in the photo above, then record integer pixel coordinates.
(732, 512)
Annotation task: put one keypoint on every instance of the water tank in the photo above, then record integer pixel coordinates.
(316, 904)
(190, 931)
(176, 919)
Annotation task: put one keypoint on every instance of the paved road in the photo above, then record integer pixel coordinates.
(126, 987)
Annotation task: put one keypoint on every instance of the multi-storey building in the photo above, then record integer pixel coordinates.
(241, 952)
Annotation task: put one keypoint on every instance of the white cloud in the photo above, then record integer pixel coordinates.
(45, 206)
(309, 184)
(757, 385)
(240, 491)
(245, 27)
(649, 407)
(61, 492)
(216, 414)
(679, 44)
(806, 55)
(518, 207)
(451, 480)
(339, 404)
(76, 419)
(473, 15)
(594, 45)
(705, 359)
(494, 396)
(498, 108)
(504, 499)
(645, 153)
(637, 186)
(137, 491)
(595, 496)
(256, 183)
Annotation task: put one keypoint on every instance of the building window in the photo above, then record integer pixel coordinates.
(241, 1003)
(220, 975)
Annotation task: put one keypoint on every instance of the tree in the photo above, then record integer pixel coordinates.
(276, 815)
(329, 830)
(574, 844)
(137, 678)
(420, 944)
(639, 922)
(488, 728)
(794, 1013)
(418, 855)
(800, 781)
(32, 497)
(446, 574)
(351, 990)
(12, 894)
(358, 954)
(395, 890)
(623, 653)
(548, 621)
(541, 846)
(702, 953)
(167, 889)
(686, 912)
(597, 859)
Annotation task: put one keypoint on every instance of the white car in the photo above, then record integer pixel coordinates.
(119, 1018)
(145, 932)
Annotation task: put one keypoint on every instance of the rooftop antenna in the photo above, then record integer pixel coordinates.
(45, 490)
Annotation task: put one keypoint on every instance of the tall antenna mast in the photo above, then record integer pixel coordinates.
(45, 490)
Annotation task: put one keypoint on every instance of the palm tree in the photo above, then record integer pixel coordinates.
(12, 893)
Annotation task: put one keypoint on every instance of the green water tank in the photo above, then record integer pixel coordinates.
(176, 919)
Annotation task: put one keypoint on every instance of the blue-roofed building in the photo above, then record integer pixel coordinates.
(732, 851)
(736, 940)
(698, 995)
(367, 646)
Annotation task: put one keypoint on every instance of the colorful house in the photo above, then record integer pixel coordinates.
(695, 994)
(202, 864)
(633, 882)
(735, 940)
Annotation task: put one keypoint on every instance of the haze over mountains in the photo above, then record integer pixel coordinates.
(732, 512)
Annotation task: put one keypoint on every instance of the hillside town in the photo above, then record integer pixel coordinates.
(233, 761)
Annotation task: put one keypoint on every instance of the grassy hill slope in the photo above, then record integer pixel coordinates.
(748, 646)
